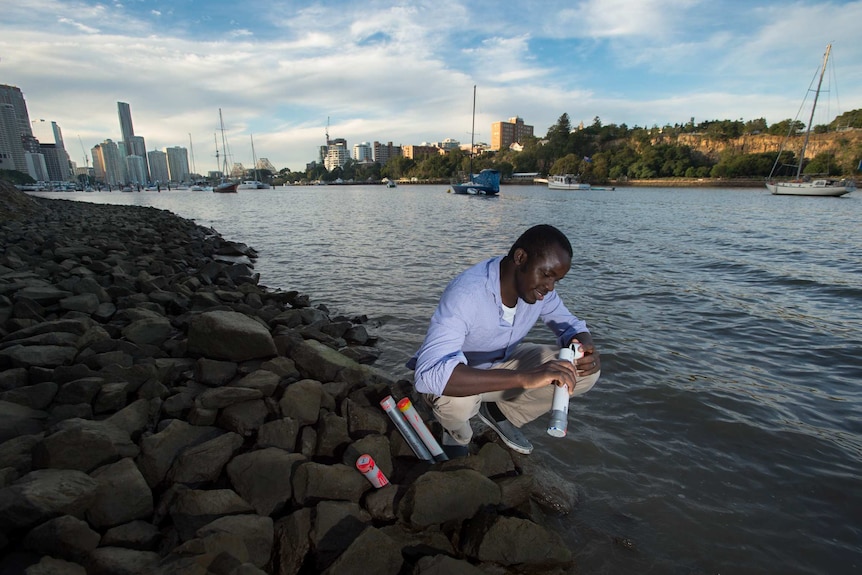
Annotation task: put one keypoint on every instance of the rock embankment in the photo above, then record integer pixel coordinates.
(162, 412)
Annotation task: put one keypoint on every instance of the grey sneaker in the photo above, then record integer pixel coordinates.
(510, 434)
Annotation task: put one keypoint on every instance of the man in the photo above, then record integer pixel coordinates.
(473, 360)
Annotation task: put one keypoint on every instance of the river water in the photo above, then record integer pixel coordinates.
(725, 435)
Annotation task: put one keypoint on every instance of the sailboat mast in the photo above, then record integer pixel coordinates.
(813, 108)
(473, 132)
(192, 150)
(218, 162)
(254, 158)
(223, 142)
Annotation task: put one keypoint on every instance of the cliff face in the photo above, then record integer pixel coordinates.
(846, 145)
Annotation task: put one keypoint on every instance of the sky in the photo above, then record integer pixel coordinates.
(404, 71)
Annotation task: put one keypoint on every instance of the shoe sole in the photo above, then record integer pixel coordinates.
(510, 444)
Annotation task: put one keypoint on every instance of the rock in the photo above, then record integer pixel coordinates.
(63, 537)
(371, 552)
(255, 531)
(229, 335)
(16, 453)
(317, 361)
(122, 495)
(280, 433)
(291, 542)
(38, 396)
(120, 561)
(204, 462)
(220, 397)
(214, 373)
(38, 355)
(445, 565)
(51, 566)
(44, 494)
(263, 478)
(336, 525)
(301, 401)
(262, 380)
(514, 541)
(18, 420)
(438, 497)
(159, 451)
(148, 330)
(138, 535)
(244, 418)
(192, 509)
(315, 481)
(75, 447)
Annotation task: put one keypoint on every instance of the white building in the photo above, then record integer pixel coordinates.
(337, 154)
(363, 153)
(136, 170)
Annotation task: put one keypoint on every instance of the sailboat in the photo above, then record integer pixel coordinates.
(225, 186)
(486, 182)
(805, 185)
(254, 184)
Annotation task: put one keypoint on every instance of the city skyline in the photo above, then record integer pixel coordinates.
(404, 72)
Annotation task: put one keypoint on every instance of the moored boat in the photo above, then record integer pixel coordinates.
(566, 182)
(486, 182)
(802, 185)
(225, 187)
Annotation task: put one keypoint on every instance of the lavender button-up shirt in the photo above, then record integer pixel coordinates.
(468, 326)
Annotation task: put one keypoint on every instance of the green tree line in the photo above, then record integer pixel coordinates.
(603, 152)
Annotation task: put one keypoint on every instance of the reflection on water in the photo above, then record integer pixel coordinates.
(725, 434)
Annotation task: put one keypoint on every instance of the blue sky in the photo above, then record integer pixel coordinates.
(403, 71)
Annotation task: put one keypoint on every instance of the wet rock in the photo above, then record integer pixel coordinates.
(263, 478)
(438, 497)
(229, 335)
(514, 541)
(44, 494)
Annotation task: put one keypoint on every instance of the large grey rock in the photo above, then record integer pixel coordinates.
(514, 541)
(281, 433)
(336, 525)
(139, 535)
(371, 552)
(243, 418)
(120, 561)
(205, 461)
(158, 451)
(64, 537)
(18, 420)
(148, 330)
(17, 453)
(318, 361)
(256, 531)
(213, 372)
(44, 494)
(122, 496)
(445, 565)
(291, 542)
(38, 355)
(75, 447)
(315, 481)
(220, 397)
(85, 303)
(263, 478)
(192, 509)
(38, 396)
(262, 380)
(301, 401)
(229, 335)
(438, 497)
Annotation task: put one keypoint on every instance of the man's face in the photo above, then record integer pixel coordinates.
(536, 276)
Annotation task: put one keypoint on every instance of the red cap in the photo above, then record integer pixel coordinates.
(364, 463)
(404, 404)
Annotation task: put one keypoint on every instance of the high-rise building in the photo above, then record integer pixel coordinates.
(11, 150)
(56, 161)
(362, 153)
(108, 165)
(419, 152)
(13, 96)
(134, 145)
(158, 162)
(178, 164)
(504, 134)
(337, 154)
(135, 171)
(384, 152)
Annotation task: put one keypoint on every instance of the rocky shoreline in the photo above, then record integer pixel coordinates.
(163, 412)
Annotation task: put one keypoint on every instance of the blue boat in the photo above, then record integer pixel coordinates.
(486, 182)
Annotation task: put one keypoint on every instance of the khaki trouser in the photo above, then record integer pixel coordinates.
(520, 406)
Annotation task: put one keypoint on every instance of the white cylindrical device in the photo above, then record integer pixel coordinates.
(560, 407)
(412, 416)
(368, 467)
(410, 436)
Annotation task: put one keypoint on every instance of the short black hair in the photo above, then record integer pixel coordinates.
(538, 240)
